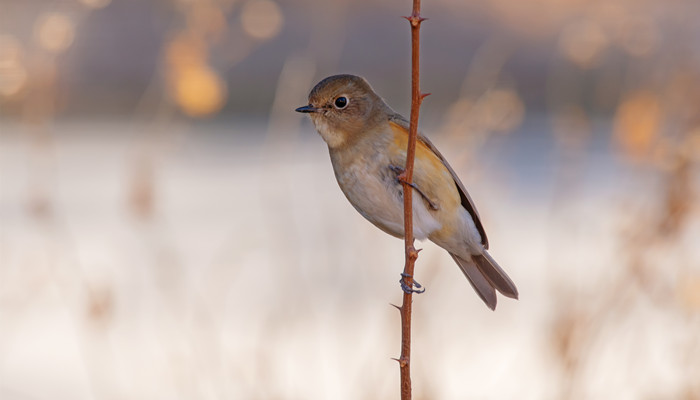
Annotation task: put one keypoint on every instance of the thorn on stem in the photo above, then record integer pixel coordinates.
(413, 253)
(402, 361)
(394, 305)
(424, 95)
(415, 20)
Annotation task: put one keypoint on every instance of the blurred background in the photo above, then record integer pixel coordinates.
(171, 229)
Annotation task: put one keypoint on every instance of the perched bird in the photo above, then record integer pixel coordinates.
(367, 141)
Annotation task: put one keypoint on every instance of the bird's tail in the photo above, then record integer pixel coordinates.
(486, 276)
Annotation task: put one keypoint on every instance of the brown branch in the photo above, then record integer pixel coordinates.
(407, 179)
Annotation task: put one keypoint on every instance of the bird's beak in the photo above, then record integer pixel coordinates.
(308, 109)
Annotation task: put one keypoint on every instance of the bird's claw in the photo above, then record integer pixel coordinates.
(397, 170)
(409, 289)
(402, 179)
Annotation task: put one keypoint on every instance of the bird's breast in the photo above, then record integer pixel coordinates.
(373, 189)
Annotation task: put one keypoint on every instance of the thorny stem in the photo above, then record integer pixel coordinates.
(407, 180)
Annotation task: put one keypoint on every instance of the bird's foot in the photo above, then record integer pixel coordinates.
(408, 289)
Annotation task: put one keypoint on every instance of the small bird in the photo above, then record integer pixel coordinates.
(367, 142)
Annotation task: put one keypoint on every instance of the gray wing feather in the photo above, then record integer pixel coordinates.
(495, 274)
(476, 278)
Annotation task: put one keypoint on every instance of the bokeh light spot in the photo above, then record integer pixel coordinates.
(185, 51)
(689, 292)
(13, 74)
(637, 123)
(10, 50)
(639, 36)
(54, 32)
(199, 91)
(583, 42)
(500, 110)
(207, 18)
(262, 19)
(12, 79)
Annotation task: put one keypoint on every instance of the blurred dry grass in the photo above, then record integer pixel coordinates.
(186, 247)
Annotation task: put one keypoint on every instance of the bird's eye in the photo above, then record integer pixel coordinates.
(341, 102)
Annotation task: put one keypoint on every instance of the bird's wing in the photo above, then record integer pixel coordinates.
(466, 200)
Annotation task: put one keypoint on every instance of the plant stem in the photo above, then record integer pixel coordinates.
(411, 253)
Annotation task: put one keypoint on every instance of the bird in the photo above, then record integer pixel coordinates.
(367, 142)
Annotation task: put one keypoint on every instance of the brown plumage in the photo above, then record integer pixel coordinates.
(367, 143)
